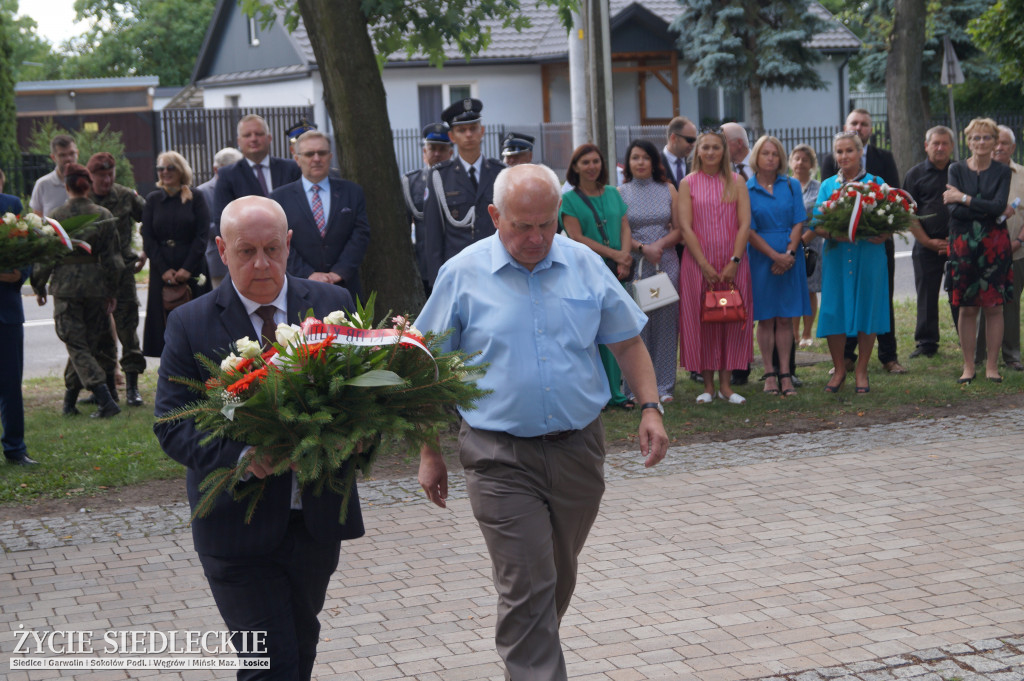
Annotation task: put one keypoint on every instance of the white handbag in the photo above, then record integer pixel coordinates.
(654, 292)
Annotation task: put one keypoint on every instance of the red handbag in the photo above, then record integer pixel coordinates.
(722, 307)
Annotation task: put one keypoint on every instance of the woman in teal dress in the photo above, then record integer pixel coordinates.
(855, 276)
(594, 214)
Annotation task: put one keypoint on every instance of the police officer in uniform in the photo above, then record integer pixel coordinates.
(517, 149)
(459, 191)
(437, 147)
(126, 206)
(84, 288)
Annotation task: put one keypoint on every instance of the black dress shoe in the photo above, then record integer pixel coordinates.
(696, 377)
(23, 461)
(921, 351)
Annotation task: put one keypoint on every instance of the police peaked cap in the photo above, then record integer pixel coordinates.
(436, 133)
(464, 111)
(516, 143)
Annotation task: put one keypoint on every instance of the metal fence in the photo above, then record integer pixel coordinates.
(198, 134)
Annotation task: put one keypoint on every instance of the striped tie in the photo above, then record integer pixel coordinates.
(318, 211)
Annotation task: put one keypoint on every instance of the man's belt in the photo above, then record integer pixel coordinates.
(547, 437)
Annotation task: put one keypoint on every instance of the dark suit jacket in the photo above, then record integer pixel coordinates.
(11, 310)
(342, 248)
(441, 240)
(208, 325)
(238, 179)
(878, 162)
(670, 170)
(214, 265)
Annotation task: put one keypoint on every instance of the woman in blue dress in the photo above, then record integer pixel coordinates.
(777, 270)
(855, 276)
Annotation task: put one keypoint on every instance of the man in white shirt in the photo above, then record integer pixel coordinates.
(675, 156)
(49, 191)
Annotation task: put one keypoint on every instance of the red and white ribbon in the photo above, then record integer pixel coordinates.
(67, 240)
(858, 209)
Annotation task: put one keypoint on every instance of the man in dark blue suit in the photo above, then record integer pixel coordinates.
(12, 359)
(327, 216)
(270, 574)
(257, 174)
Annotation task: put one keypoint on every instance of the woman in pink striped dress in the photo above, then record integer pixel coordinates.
(713, 211)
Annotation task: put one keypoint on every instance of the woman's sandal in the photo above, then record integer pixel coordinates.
(787, 392)
(835, 388)
(771, 391)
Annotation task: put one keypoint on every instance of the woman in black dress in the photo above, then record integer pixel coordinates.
(979, 247)
(175, 225)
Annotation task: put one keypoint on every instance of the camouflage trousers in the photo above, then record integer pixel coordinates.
(126, 321)
(84, 327)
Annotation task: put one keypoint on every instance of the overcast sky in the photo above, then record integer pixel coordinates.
(55, 18)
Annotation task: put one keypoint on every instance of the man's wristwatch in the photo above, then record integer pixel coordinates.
(653, 405)
(963, 199)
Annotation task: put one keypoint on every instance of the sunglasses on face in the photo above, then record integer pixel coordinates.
(689, 139)
(169, 169)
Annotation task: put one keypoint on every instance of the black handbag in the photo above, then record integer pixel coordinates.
(612, 265)
(811, 260)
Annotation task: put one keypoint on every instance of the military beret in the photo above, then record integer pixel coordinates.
(101, 161)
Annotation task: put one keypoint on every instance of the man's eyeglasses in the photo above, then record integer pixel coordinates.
(311, 154)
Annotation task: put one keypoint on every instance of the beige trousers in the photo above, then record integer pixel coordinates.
(535, 501)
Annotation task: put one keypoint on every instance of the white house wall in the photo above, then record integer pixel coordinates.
(512, 94)
(295, 92)
(806, 108)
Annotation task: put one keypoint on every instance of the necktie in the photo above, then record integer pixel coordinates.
(739, 170)
(269, 332)
(318, 211)
(258, 169)
(679, 170)
(472, 178)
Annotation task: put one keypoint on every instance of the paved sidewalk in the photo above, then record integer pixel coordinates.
(891, 552)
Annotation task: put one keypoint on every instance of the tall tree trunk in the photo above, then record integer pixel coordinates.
(357, 106)
(756, 107)
(903, 83)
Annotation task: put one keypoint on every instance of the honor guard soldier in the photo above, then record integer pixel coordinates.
(437, 147)
(126, 205)
(517, 149)
(459, 190)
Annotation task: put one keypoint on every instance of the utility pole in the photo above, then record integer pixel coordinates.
(596, 72)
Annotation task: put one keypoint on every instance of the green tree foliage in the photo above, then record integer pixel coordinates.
(138, 38)
(8, 114)
(424, 27)
(872, 21)
(749, 44)
(999, 31)
(32, 57)
(88, 143)
(351, 39)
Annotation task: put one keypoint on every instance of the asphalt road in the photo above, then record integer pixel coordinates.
(45, 354)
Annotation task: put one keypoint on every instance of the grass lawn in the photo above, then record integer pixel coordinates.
(83, 456)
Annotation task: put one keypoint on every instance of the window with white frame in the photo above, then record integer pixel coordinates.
(433, 99)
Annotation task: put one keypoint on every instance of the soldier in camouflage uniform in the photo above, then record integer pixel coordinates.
(84, 289)
(126, 206)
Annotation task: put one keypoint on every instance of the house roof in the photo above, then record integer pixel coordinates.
(544, 40)
(87, 84)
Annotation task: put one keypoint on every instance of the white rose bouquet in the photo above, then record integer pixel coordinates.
(28, 239)
(318, 400)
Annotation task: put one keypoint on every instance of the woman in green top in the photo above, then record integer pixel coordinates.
(609, 238)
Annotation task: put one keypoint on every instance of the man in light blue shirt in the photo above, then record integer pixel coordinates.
(535, 306)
